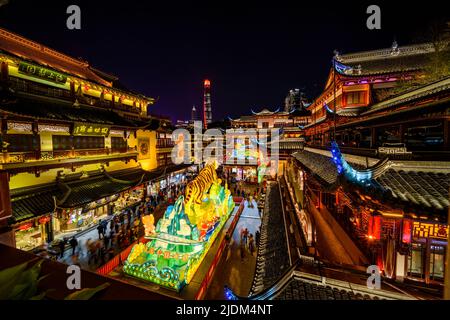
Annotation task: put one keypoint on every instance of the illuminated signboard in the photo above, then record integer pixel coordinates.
(90, 129)
(430, 230)
(42, 73)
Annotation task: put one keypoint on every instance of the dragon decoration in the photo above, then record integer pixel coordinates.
(185, 233)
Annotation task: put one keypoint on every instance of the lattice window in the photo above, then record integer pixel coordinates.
(22, 142)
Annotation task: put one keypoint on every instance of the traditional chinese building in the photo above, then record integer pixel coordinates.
(376, 164)
(76, 144)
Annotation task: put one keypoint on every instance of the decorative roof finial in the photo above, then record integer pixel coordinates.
(337, 56)
(394, 48)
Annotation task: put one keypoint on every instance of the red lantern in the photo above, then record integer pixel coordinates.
(374, 230)
(25, 226)
(406, 234)
(44, 220)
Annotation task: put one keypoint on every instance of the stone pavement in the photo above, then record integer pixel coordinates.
(81, 250)
(233, 271)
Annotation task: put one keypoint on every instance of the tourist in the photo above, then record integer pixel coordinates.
(106, 240)
(76, 260)
(251, 244)
(91, 245)
(73, 244)
(101, 252)
(245, 237)
(129, 216)
(62, 246)
(242, 248)
(100, 229)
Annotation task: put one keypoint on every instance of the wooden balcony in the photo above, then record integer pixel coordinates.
(26, 161)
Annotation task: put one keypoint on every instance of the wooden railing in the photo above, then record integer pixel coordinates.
(18, 157)
(223, 245)
(118, 259)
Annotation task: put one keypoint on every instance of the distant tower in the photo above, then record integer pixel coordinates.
(193, 114)
(292, 100)
(207, 114)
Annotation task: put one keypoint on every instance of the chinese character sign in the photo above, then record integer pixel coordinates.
(81, 129)
(43, 73)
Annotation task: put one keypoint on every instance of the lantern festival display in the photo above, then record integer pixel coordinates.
(183, 236)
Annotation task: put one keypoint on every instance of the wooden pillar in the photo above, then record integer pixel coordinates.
(447, 262)
(402, 133)
(5, 203)
(373, 138)
(6, 233)
(446, 134)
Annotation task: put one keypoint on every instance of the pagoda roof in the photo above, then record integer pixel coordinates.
(60, 110)
(417, 93)
(33, 51)
(75, 191)
(300, 112)
(386, 61)
(413, 185)
(265, 112)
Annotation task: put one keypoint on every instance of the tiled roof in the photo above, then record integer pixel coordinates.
(272, 256)
(419, 188)
(300, 112)
(300, 289)
(265, 112)
(384, 61)
(426, 189)
(36, 201)
(86, 191)
(424, 91)
(63, 111)
(36, 52)
(290, 145)
(33, 202)
(319, 165)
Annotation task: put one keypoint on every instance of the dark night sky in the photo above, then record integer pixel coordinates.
(252, 53)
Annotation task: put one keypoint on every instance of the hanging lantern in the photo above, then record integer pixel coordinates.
(406, 231)
(26, 226)
(374, 229)
(44, 220)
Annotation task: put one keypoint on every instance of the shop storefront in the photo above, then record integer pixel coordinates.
(426, 256)
(67, 222)
(33, 233)
(242, 173)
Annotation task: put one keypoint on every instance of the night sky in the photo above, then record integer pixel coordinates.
(252, 53)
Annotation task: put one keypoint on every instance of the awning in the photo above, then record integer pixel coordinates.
(39, 200)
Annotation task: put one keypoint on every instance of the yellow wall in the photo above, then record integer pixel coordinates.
(148, 162)
(29, 179)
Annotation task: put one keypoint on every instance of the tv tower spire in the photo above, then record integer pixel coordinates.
(207, 114)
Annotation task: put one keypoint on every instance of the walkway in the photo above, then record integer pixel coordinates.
(92, 234)
(232, 270)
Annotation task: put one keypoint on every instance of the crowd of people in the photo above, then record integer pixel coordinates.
(119, 231)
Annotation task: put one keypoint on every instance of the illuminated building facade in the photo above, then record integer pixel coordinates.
(76, 146)
(383, 183)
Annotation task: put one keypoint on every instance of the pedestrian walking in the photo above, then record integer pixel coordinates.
(100, 229)
(106, 240)
(251, 244)
(245, 237)
(242, 248)
(73, 244)
(129, 216)
(62, 246)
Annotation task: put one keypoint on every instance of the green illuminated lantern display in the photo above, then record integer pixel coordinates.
(184, 234)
